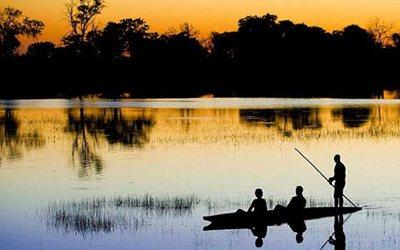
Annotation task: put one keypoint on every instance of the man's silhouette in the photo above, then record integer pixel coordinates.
(297, 202)
(259, 205)
(340, 181)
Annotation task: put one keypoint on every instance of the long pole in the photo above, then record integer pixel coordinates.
(315, 167)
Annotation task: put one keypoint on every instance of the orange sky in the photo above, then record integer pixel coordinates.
(215, 15)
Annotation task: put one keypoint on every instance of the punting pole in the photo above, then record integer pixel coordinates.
(298, 151)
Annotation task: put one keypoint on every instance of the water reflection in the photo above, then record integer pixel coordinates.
(214, 152)
(340, 238)
(90, 132)
(13, 140)
(354, 117)
(326, 121)
(93, 127)
(285, 120)
(84, 148)
(298, 226)
(259, 231)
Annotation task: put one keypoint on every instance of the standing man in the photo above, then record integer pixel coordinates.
(340, 181)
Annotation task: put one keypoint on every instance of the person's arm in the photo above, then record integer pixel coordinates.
(333, 177)
(251, 207)
(290, 204)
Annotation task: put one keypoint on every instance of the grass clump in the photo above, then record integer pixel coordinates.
(90, 215)
(151, 202)
(102, 215)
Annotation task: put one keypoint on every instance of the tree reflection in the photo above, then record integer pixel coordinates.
(13, 141)
(355, 117)
(263, 116)
(127, 132)
(10, 143)
(305, 118)
(84, 151)
(285, 120)
(89, 128)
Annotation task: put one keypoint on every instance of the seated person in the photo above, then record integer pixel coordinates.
(297, 202)
(258, 206)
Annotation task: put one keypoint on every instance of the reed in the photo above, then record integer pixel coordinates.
(90, 215)
(152, 202)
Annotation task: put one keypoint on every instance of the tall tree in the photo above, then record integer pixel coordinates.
(380, 31)
(81, 17)
(356, 38)
(125, 38)
(41, 50)
(14, 24)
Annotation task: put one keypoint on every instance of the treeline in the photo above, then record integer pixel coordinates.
(264, 57)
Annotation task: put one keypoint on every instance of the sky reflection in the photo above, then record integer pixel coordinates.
(61, 153)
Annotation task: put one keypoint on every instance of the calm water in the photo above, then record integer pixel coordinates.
(218, 150)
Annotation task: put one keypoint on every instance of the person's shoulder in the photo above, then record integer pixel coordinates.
(261, 201)
(340, 164)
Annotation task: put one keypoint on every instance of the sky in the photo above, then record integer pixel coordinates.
(214, 15)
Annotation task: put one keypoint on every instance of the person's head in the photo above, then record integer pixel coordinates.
(299, 190)
(299, 238)
(258, 193)
(336, 158)
(259, 242)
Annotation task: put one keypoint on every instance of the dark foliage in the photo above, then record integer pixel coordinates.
(264, 57)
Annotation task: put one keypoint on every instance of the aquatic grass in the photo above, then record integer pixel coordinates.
(272, 202)
(224, 203)
(314, 202)
(90, 215)
(160, 203)
(103, 215)
(383, 214)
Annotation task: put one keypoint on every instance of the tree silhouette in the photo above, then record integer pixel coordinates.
(265, 56)
(81, 17)
(41, 50)
(14, 24)
(380, 31)
(355, 38)
(182, 46)
(124, 38)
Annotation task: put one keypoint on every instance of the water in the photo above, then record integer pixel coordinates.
(217, 150)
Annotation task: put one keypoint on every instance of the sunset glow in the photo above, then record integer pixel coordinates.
(207, 16)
